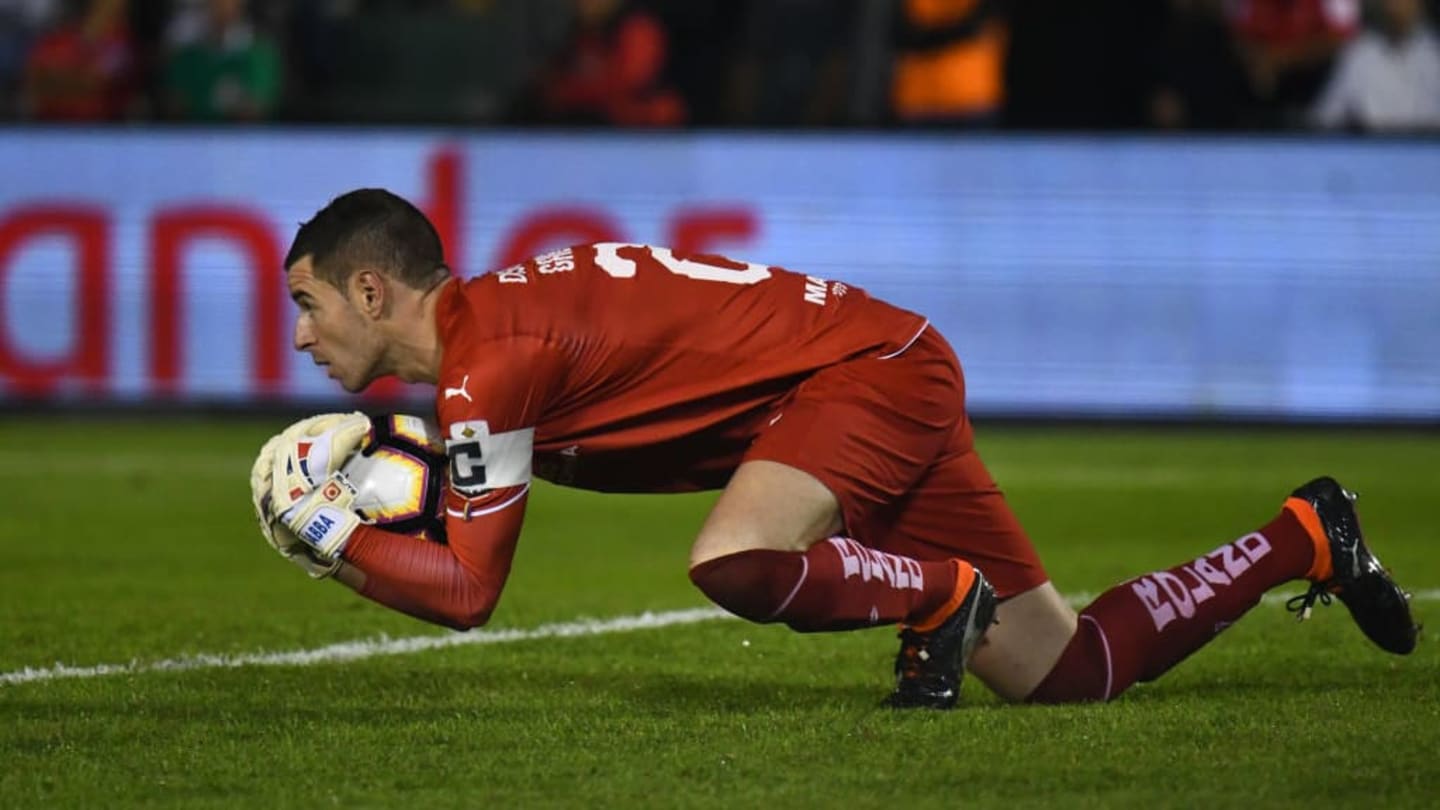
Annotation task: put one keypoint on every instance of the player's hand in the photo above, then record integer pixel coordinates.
(323, 519)
(301, 555)
(279, 537)
(275, 533)
(309, 451)
(261, 479)
(332, 439)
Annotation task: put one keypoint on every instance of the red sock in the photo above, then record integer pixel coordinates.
(837, 584)
(1139, 629)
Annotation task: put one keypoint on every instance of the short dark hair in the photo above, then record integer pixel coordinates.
(371, 227)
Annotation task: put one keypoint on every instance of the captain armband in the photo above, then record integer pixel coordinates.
(485, 467)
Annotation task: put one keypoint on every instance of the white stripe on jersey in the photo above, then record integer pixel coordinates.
(467, 512)
(908, 343)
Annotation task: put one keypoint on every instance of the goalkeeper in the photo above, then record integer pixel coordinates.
(834, 423)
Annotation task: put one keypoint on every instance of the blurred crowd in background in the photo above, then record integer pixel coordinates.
(1354, 65)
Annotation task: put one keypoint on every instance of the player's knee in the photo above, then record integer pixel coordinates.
(715, 543)
(751, 584)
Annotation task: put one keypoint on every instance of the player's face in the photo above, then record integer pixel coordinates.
(336, 335)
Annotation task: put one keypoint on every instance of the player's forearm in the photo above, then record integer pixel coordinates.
(421, 579)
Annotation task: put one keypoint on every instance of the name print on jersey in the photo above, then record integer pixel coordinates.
(556, 261)
(815, 289)
(514, 274)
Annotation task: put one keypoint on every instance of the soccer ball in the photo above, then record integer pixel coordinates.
(399, 474)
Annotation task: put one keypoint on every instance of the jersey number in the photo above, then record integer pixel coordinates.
(607, 256)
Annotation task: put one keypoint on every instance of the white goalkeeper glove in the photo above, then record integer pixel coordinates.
(313, 449)
(319, 446)
(323, 519)
(261, 481)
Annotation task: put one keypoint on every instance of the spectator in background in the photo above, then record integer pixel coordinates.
(1388, 78)
(610, 70)
(794, 63)
(1200, 82)
(19, 21)
(1288, 47)
(1077, 65)
(148, 21)
(706, 50)
(221, 67)
(83, 68)
(949, 62)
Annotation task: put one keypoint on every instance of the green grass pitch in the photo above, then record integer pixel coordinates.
(131, 542)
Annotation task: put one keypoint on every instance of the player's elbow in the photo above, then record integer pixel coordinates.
(460, 618)
(473, 609)
(468, 619)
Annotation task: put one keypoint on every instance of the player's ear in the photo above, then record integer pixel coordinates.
(369, 292)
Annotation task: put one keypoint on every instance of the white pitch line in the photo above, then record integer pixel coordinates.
(371, 648)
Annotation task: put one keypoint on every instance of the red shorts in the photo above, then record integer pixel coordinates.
(890, 438)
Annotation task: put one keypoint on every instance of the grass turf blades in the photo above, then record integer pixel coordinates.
(132, 541)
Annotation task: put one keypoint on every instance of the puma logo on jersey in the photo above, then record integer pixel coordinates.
(460, 392)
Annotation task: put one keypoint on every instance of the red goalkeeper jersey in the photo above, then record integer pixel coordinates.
(610, 367)
(620, 367)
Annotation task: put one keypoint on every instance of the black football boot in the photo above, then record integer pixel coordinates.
(930, 665)
(1377, 604)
